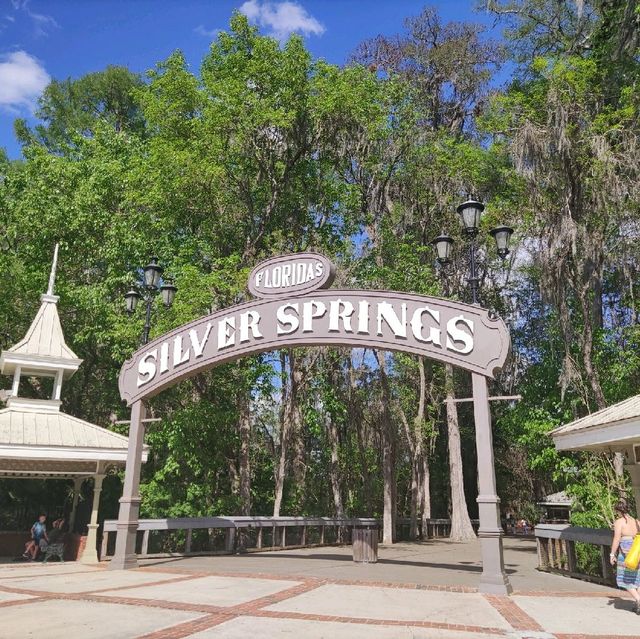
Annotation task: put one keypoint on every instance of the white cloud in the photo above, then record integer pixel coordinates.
(41, 23)
(281, 18)
(207, 33)
(22, 80)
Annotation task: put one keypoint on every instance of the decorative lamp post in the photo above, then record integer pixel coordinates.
(148, 288)
(470, 213)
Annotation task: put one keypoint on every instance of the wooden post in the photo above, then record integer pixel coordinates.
(145, 543)
(259, 539)
(104, 545)
(283, 537)
(303, 537)
(607, 572)
(187, 543)
(90, 553)
(572, 561)
(230, 539)
(322, 527)
(543, 552)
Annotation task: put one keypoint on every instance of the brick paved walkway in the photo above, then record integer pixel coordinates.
(167, 601)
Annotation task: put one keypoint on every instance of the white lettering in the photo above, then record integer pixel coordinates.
(276, 277)
(147, 368)
(198, 347)
(310, 275)
(285, 319)
(387, 313)
(300, 272)
(286, 274)
(164, 357)
(249, 321)
(319, 269)
(455, 334)
(259, 276)
(363, 317)
(335, 315)
(178, 356)
(227, 332)
(308, 314)
(417, 326)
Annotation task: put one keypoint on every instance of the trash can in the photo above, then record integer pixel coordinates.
(365, 544)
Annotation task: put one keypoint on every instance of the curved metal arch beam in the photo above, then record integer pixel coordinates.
(460, 334)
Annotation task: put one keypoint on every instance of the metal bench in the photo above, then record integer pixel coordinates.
(54, 550)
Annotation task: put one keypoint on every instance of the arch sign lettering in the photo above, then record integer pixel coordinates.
(294, 306)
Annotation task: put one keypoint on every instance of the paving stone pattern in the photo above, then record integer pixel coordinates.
(164, 602)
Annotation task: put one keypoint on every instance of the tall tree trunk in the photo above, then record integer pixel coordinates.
(461, 528)
(356, 417)
(245, 464)
(334, 467)
(285, 428)
(388, 461)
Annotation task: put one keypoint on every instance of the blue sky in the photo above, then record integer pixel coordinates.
(40, 40)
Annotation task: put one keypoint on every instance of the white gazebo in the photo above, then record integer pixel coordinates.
(37, 440)
(615, 429)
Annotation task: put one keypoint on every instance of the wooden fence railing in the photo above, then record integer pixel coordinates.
(226, 535)
(557, 552)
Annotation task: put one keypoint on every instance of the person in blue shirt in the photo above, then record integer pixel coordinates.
(38, 535)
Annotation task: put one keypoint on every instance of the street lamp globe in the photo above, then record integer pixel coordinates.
(470, 212)
(443, 244)
(168, 290)
(502, 235)
(131, 299)
(152, 273)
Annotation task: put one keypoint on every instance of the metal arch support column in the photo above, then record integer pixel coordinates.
(127, 527)
(494, 579)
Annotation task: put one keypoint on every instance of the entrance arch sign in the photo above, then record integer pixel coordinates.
(459, 334)
(295, 307)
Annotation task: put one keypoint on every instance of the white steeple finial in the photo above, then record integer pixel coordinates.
(52, 277)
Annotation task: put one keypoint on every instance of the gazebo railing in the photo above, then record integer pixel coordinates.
(186, 536)
(558, 552)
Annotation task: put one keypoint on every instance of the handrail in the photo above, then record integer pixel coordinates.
(556, 544)
(311, 532)
(191, 523)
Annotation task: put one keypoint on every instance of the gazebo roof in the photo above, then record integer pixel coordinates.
(614, 427)
(557, 499)
(43, 349)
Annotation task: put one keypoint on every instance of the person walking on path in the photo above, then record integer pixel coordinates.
(624, 530)
(38, 534)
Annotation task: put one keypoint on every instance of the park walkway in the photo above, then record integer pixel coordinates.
(311, 593)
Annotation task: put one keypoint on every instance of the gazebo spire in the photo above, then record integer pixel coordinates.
(43, 351)
(54, 265)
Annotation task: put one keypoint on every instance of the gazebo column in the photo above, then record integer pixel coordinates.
(125, 556)
(77, 485)
(90, 553)
(494, 579)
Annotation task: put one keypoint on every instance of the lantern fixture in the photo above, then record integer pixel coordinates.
(443, 244)
(131, 299)
(502, 235)
(470, 213)
(152, 273)
(168, 290)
